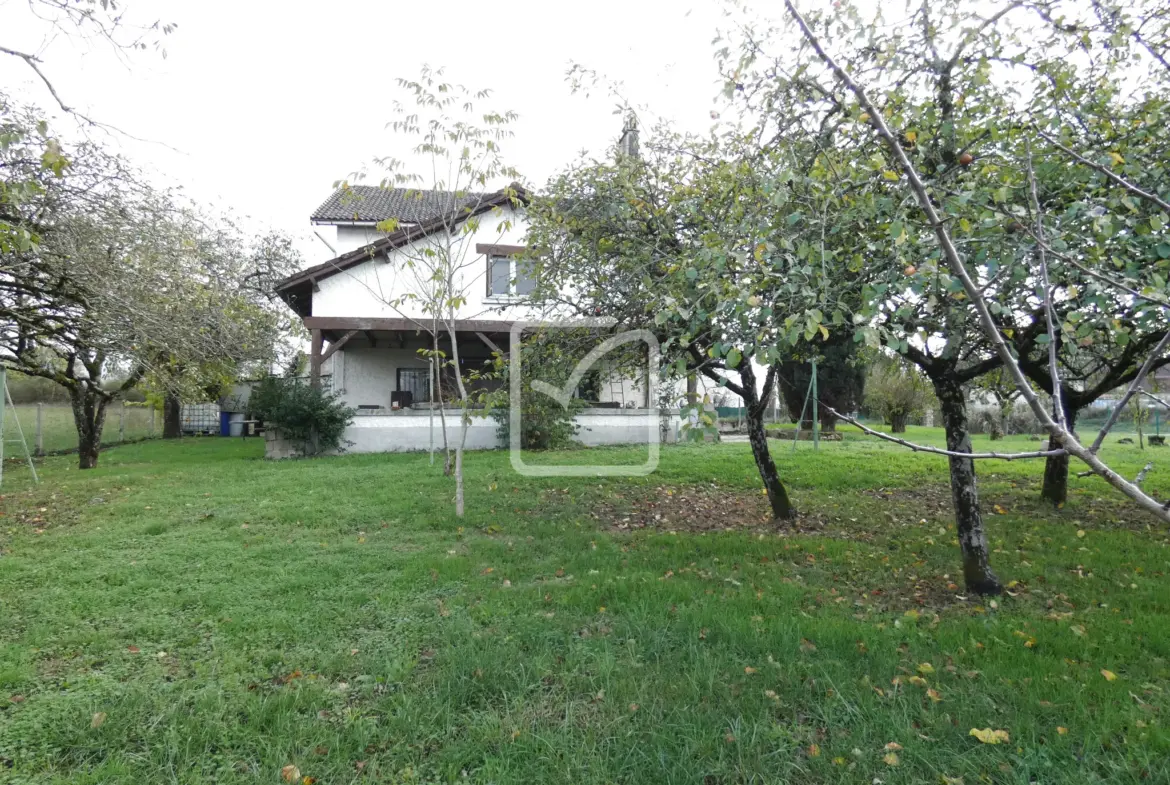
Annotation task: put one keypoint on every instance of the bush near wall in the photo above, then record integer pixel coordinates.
(307, 415)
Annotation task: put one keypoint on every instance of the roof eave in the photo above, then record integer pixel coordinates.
(337, 222)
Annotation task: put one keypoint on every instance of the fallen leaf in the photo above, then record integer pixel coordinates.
(290, 773)
(17, 699)
(807, 646)
(989, 736)
(925, 668)
(814, 750)
(133, 649)
(893, 746)
(749, 670)
(891, 759)
(1080, 534)
(633, 707)
(1061, 730)
(933, 695)
(917, 681)
(361, 764)
(97, 720)
(1109, 675)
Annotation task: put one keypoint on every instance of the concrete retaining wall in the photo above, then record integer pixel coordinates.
(410, 431)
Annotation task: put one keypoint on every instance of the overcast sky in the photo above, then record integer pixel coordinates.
(260, 105)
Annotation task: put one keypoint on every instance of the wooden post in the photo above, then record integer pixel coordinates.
(122, 423)
(315, 359)
(40, 437)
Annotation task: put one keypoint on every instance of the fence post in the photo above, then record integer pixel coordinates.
(40, 437)
(122, 423)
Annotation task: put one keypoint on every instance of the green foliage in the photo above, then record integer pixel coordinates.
(545, 424)
(841, 372)
(303, 413)
(29, 158)
(897, 391)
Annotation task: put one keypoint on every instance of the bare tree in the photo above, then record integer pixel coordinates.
(456, 149)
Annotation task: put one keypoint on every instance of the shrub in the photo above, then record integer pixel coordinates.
(897, 391)
(302, 413)
(545, 424)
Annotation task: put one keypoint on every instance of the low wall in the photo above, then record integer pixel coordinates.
(277, 448)
(410, 430)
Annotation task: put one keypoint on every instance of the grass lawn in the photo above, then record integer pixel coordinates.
(188, 612)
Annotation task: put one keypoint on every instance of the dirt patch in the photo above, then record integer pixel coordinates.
(925, 500)
(696, 508)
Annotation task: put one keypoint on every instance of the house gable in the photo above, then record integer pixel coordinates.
(299, 290)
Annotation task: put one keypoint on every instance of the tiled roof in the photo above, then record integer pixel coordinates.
(374, 203)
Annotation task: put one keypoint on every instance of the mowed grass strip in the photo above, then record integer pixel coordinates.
(191, 613)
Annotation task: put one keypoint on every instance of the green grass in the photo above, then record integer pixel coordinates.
(59, 433)
(219, 617)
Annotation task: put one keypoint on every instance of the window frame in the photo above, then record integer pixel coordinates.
(494, 253)
(415, 369)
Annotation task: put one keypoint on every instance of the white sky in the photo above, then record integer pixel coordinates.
(262, 105)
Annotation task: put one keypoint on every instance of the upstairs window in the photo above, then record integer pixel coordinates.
(508, 275)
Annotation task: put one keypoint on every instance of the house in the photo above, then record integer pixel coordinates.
(368, 324)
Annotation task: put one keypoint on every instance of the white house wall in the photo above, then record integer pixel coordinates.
(350, 238)
(370, 374)
(366, 289)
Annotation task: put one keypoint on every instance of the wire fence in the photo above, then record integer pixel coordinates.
(49, 427)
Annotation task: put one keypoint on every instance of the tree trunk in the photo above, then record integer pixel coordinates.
(972, 538)
(172, 416)
(89, 415)
(898, 422)
(438, 397)
(1055, 487)
(995, 426)
(758, 437)
(828, 421)
(459, 479)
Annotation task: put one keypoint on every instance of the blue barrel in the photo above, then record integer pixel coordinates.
(225, 423)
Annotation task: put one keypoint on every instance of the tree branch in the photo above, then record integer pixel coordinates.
(1003, 456)
(1049, 316)
(1134, 386)
(1115, 178)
